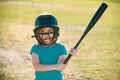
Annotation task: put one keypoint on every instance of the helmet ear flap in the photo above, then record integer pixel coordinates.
(35, 35)
(57, 34)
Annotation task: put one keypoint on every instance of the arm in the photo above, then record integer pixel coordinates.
(40, 67)
(61, 59)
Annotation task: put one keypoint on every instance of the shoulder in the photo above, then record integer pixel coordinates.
(62, 49)
(34, 45)
(34, 48)
(60, 46)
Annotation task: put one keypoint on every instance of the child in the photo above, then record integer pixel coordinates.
(47, 54)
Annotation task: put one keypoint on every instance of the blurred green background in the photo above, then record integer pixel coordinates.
(98, 56)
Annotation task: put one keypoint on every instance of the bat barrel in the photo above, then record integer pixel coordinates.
(98, 14)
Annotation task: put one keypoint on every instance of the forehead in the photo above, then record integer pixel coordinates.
(46, 28)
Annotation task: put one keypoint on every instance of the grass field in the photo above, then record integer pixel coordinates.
(98, 56)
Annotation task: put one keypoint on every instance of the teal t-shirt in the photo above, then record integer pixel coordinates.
(48, 55)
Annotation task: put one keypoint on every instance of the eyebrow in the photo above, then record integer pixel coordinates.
(45, 33)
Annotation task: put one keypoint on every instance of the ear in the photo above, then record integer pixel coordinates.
(58, 34)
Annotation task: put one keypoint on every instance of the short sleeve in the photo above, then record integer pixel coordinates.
(34, 49)
(63, 50)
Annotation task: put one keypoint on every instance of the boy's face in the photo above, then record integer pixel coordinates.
(46, 34)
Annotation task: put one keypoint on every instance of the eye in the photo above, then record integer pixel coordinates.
(49, 30)
(42, 31)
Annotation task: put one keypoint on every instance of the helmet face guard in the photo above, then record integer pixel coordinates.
(46, 20)
(41, 40)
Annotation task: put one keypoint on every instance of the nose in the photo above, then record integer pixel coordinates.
(45, 36)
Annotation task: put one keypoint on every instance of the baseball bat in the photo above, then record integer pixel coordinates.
(92, 22)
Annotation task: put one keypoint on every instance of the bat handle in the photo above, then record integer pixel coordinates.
(66, 60)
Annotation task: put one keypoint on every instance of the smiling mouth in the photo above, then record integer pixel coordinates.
(48, 40)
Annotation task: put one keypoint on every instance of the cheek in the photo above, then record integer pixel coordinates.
(51, 35)
(40, 35)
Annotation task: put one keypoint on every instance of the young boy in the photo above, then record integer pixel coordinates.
(48, 55)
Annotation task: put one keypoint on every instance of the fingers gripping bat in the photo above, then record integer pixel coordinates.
(92, 22)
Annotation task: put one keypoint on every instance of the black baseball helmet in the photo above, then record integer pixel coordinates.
(46, 20)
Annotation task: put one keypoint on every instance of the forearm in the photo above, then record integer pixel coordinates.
(41, 67)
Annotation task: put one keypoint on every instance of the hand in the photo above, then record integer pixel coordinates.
(61, 66)
(73, 51)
